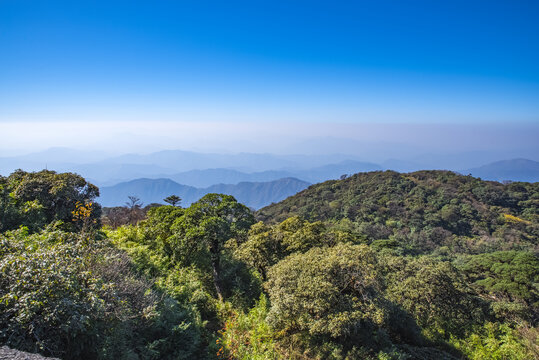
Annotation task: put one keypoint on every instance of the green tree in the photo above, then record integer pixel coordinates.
(82, 300)
(267, 245)
(39, 198)
(331, 300)
(134, 206)
(296, 234)
(210, 222)
(434, 292)
(511, 278)
(262, 248)
(158, 225)
(172, 200)
(329, 292)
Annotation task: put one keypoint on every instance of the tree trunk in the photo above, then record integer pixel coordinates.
(216, 275)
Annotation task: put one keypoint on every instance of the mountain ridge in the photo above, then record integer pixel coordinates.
(512, 169)
(252, 194)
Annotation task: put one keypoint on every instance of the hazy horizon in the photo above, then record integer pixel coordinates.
(374, 142)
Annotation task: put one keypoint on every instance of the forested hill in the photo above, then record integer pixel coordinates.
(425, 209)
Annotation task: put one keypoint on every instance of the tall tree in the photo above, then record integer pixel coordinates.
(213, 220)
(173, 200)
(134, 205)
(38, 198)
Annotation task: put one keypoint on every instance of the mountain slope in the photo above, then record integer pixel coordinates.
(424, 209)
(259, 194)
(253, 194)
(515, 170)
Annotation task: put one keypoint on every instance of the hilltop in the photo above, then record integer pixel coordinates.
(425, 209)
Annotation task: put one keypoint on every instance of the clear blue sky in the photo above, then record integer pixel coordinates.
(321, 61)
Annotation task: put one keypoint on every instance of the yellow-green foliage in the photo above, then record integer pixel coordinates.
(509, 277)
(326, 292)
(247, 336)
(266, 244)
(512, 218)
(188, 285)
(497, 342)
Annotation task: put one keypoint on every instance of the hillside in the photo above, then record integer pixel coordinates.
(514, 170)
(425, 209)
(252, 194)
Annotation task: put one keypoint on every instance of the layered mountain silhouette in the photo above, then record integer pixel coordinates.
(514, 170)
(252, 194)
(208, 177)
(202, 170)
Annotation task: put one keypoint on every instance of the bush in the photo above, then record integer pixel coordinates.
(496, 341)
(248, 336)
(64, 296)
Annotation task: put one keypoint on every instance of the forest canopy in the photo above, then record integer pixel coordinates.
(380, 265)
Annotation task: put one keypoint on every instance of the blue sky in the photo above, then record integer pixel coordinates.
(359, 62)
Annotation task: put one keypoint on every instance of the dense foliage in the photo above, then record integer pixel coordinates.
(428, 265)
(66, 291)
(36, 199)
(423, 211)
(75, 297)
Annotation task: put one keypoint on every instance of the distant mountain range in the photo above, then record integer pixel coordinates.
(202, 170)
(514, 170)
(252, 194)
(232, 168)
(263, 188)
(208, 177)
(188, 168)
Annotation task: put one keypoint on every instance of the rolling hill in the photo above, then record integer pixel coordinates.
(424, 209)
